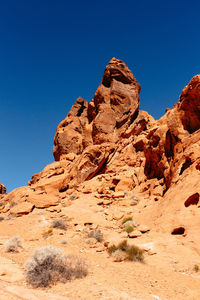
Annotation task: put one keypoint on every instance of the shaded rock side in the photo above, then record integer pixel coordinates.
(2, 189)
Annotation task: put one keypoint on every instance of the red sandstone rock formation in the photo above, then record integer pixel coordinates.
(113, 109)
(110, 136)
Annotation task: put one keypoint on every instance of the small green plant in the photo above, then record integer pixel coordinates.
(60, 224)
(196, 268)
(49, 265)
(97, 234)
(132, 253)
(127, 219)
(13, 244)
(129, 228)
(47, 233)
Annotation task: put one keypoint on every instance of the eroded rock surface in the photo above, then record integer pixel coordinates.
(113, 109)
(109, 146)
(115, 166)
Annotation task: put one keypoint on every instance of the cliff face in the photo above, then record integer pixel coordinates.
(109, 146)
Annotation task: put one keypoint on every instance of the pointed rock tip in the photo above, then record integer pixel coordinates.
(193, 87)
(115, 60)
(118, 70)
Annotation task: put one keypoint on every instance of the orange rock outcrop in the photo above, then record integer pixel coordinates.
(109, 146)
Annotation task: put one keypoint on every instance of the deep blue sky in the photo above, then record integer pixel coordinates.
(51, 52)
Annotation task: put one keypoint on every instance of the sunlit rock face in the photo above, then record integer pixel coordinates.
(113, 109)
(110, 136)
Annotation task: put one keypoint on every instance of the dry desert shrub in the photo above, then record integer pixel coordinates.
(49, 265)
(132, 253)
(59, 224)
(13, 244)
(126, 219)
(97, 234)
(119, 255)
(129, 228)
(130, 222)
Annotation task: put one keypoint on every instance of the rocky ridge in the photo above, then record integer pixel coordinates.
(111, 136)
(114, 161)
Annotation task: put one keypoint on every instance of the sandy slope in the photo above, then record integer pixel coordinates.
(167, 272)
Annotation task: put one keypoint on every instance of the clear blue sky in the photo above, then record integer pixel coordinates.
(51, 52)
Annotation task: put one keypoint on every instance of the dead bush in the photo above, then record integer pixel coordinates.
(49, 265)
(97, 234)
(59, 224)
(13, 244)
(132, 253)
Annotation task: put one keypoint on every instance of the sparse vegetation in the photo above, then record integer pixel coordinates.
(119, 255)
(127, 219)
(132, 253)
(13, 244)
(59, 224)
(97, 234)
(128, 223)
(129, 228)
(47, 233)
(49, 265)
